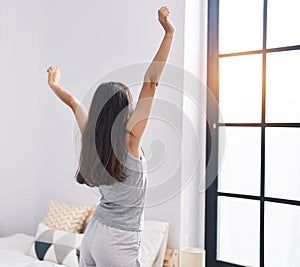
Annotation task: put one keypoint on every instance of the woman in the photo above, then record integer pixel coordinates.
(111, 159)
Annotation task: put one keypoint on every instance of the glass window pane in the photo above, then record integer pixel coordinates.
(238, 231)
(241, 89)
(282, 163)
(283, 87)
(240, 163)
(282, 235)
(240, 26)
(283, 23)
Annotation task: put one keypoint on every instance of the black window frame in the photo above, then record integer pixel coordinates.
(212, 135)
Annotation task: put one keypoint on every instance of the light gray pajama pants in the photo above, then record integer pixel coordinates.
(105, 246)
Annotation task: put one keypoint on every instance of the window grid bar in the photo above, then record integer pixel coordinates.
(263, 137)
(282, 201)
(265, 50)
(283, 125)
(233, 195)
(259, 198)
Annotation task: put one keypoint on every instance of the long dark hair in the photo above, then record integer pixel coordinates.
(104, 149)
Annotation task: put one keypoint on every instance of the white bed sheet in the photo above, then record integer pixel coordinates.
(14, 248)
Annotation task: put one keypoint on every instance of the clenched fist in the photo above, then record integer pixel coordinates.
(163, 17)
(53, 75)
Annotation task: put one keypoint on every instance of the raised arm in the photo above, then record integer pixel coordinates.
(78, 109)
(138, 120)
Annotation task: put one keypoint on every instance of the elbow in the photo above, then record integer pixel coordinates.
(73, 103)
(152, 82)
(152, 78)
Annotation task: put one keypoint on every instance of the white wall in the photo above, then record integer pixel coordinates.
(19, 91)
(87, 40)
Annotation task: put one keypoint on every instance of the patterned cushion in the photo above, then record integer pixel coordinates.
(57, 246)
(61, 216)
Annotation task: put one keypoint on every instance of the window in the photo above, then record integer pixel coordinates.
(253, 205)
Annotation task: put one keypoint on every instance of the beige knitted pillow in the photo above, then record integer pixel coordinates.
(69, 218)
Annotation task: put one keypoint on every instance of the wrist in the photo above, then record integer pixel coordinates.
(53, 85)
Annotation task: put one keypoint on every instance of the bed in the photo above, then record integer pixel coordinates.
(14, 249)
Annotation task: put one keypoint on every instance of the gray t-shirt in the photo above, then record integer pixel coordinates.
(122, 203)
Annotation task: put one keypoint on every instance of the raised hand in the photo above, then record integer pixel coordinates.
(78, 109)
(139, 118)
(164, 19)
(53, 75)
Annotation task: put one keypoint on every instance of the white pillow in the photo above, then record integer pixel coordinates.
(152, 241)
(57, 246)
